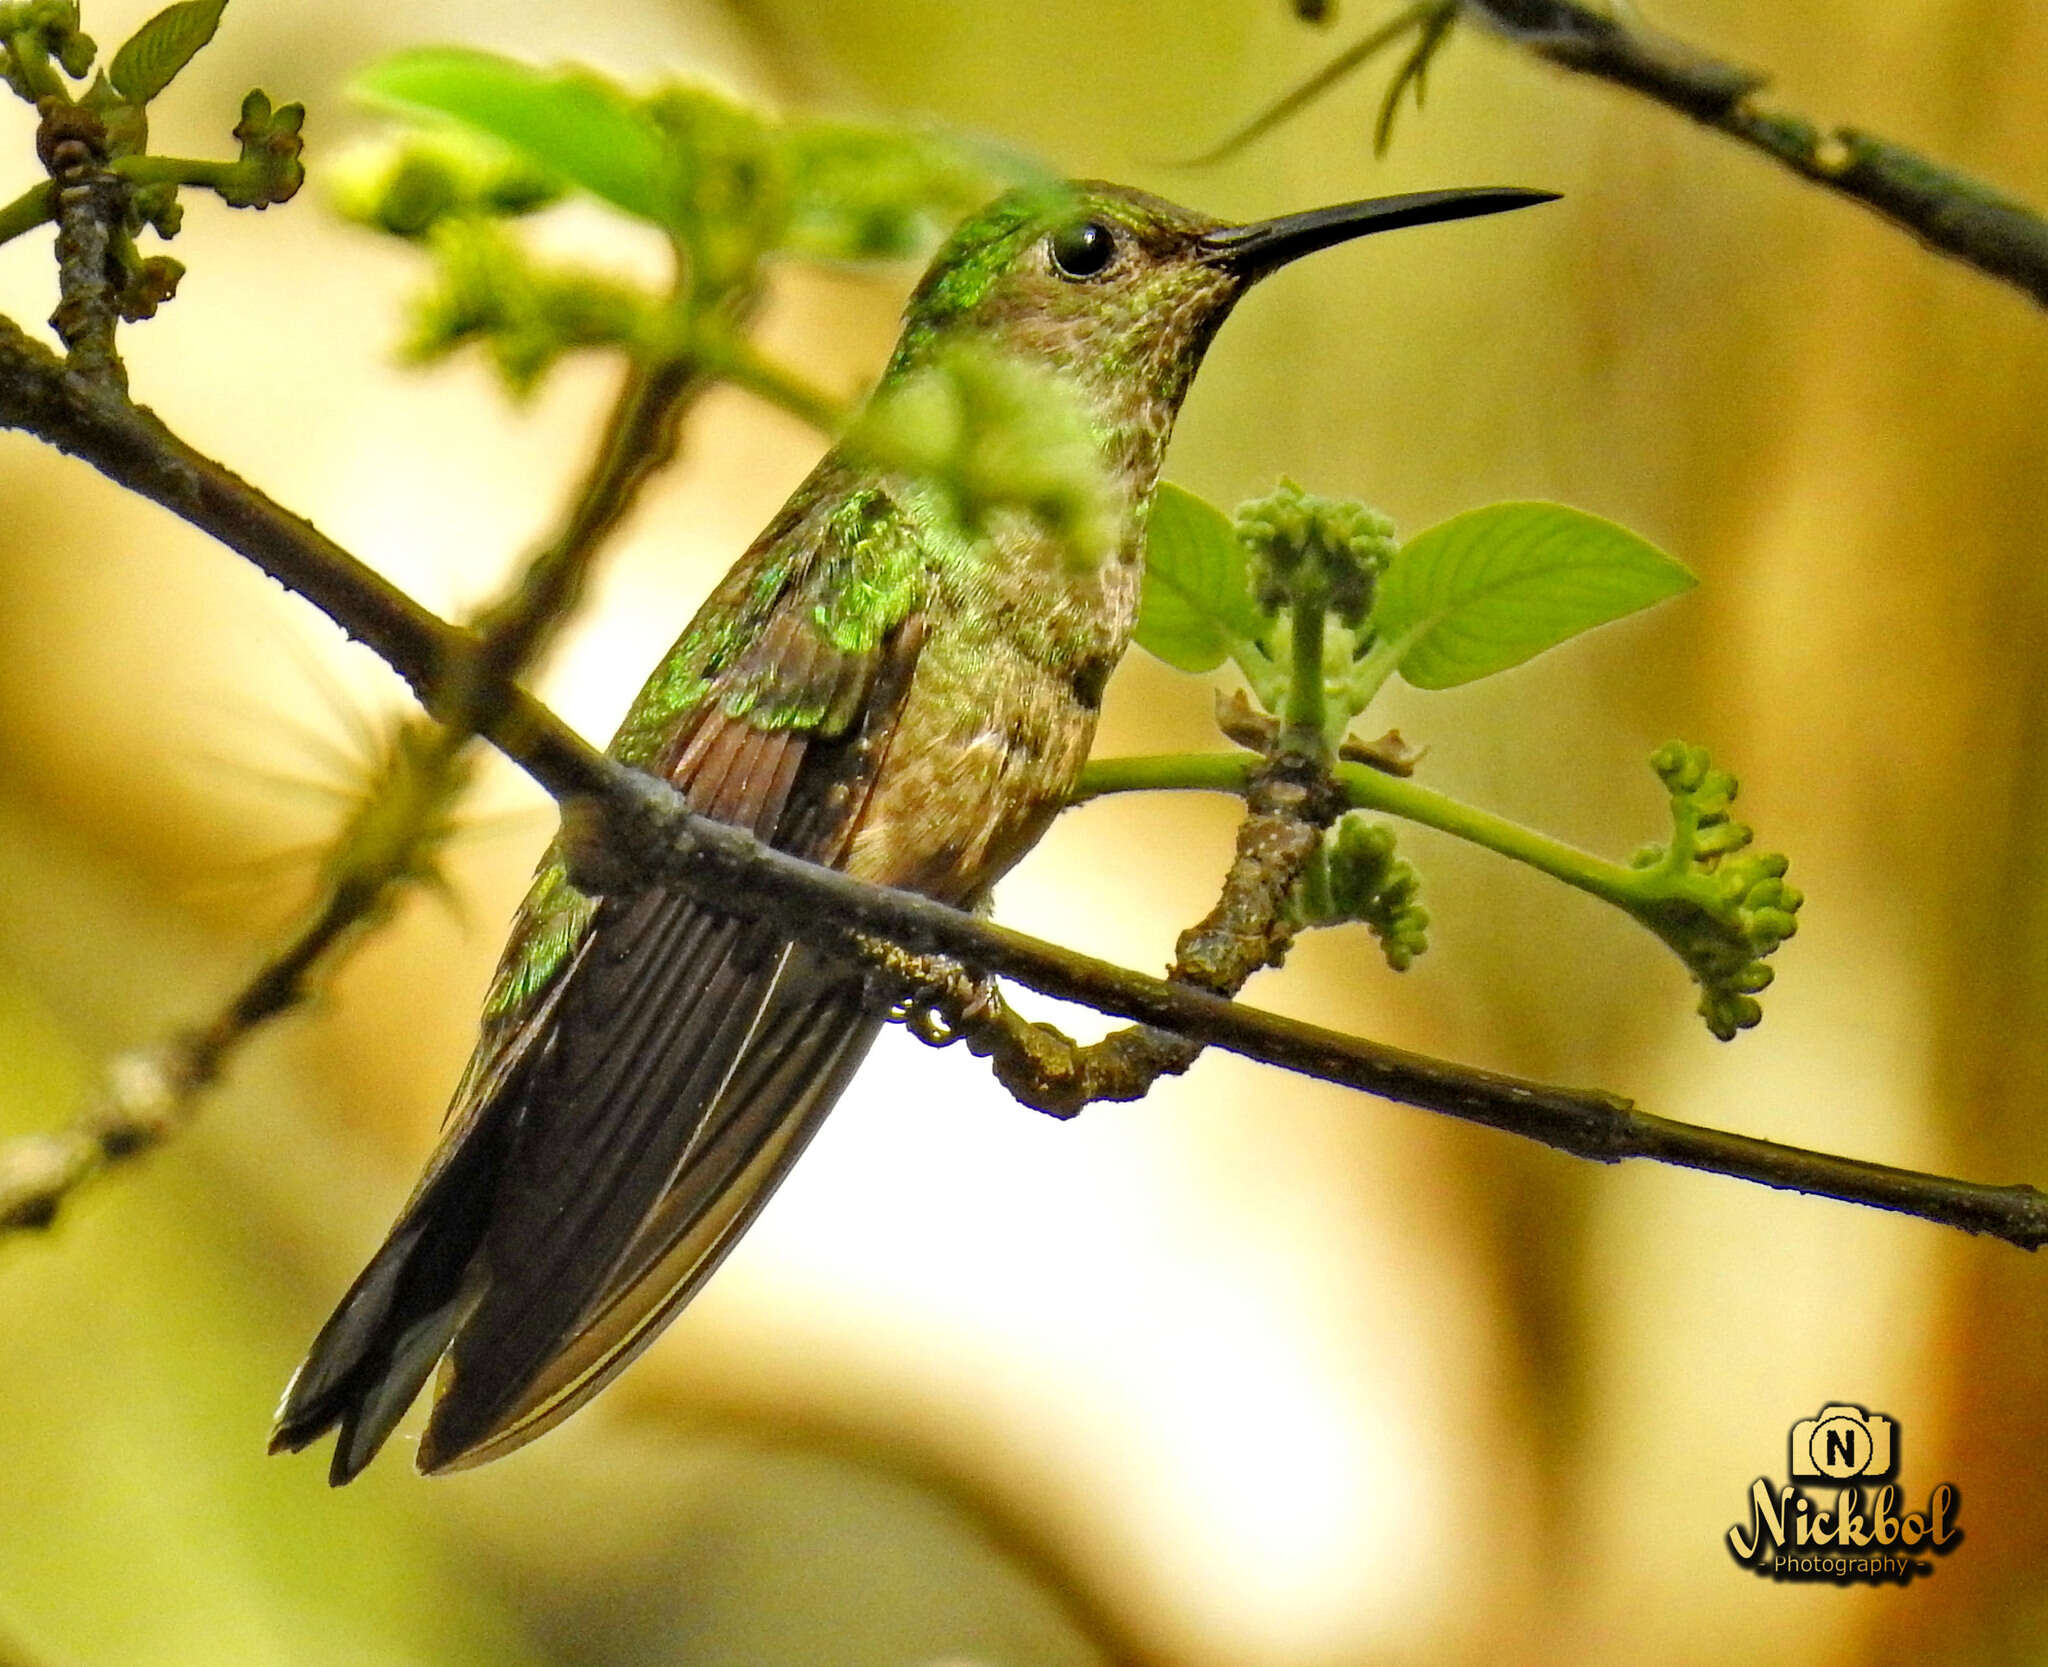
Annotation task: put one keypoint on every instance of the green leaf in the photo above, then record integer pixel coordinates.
(571, 121)
(155, 53)
(880, 193)
(1197, 600)
(1493, 587)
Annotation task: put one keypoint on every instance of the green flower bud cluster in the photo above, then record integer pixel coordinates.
(1357, 876)
(53, 26)
(1725, 908)
(270, 171)
(1301, 543)
(990, 433)
(147, 285)
(407, 186)
(157, 207)
(489, 290)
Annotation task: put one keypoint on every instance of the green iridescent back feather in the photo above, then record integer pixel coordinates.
(855, 580)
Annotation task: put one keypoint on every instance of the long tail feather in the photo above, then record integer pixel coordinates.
(503, 1388)
(377, 1351)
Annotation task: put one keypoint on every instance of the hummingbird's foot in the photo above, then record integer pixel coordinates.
(942, 1015)
(933, 997)
(929, 1026)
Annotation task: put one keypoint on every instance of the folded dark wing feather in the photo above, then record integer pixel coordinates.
(692, 1055)
(621, 1127)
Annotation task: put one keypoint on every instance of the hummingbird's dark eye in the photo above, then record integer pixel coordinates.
(1081, 251)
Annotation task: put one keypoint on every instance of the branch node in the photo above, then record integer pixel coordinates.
(91, 211)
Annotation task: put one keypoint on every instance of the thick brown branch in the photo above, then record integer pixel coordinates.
(91, 206)
(651, 827)
(652, 830)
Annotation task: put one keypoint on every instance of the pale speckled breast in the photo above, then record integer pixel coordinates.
(998, 722)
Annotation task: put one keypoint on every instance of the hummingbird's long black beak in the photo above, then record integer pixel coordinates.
(1254, 250)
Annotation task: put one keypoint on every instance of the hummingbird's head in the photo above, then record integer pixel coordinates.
(1121, 290)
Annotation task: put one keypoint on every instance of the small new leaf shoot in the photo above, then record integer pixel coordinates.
(571, 122)
(406, 186)
(152, 57)
(526, 314)
(270, 170)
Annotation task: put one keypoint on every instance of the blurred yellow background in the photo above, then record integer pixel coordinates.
(1250, 1373)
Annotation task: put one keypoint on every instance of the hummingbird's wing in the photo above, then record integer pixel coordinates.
(693, 1055)
(636, 1098)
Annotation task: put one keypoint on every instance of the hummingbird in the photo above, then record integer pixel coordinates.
(871, 688)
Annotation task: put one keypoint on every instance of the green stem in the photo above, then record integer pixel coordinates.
(35, 207)
(1381, 661)
(179, 170)
(1368, 789)
(1201, 772)
(738, 361)
(1268, 681)
(31, 57)
(1301, 730)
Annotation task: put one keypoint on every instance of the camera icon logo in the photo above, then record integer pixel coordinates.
(1841, 1443)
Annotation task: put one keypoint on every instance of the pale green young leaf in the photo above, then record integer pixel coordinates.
(164, 45)
(572, 122)
(1493, 587)
(1197, 600)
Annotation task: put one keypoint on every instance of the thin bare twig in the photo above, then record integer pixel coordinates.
(650, 829)
(1296, 99)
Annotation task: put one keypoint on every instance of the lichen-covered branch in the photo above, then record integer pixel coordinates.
(1289, 802)
(89, 204)
(1947, 210)
(650, 829)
